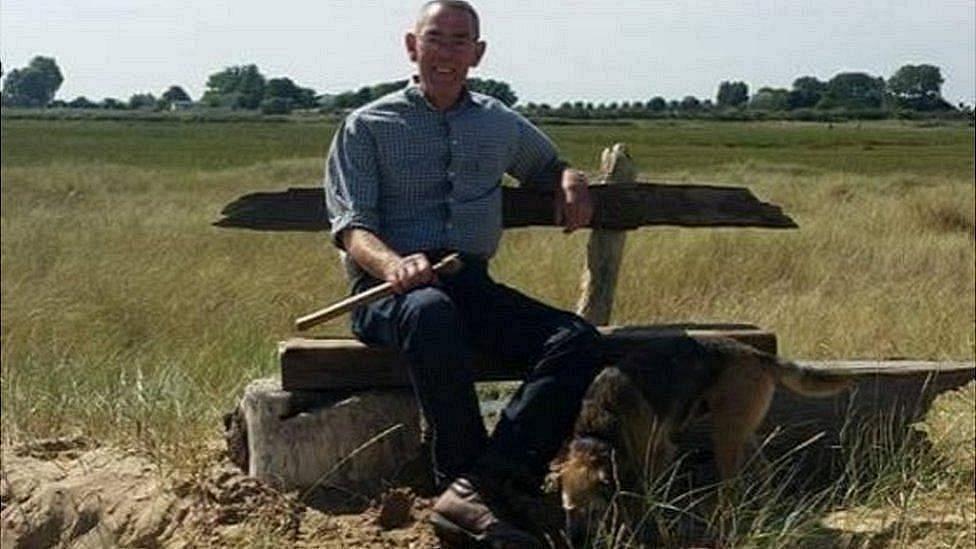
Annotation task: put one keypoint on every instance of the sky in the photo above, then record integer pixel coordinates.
(550, 52)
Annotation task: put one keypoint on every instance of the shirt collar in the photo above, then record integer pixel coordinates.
(416, 96)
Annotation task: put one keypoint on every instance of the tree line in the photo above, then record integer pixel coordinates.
(915, 88)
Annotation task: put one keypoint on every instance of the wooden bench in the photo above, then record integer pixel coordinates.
(895, 393)
(330, 364)
(342, 413)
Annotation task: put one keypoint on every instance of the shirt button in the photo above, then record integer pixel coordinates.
(450, 175)
(449, 225)
(455, 142)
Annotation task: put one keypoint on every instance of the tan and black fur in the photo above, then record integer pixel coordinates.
(623, 433)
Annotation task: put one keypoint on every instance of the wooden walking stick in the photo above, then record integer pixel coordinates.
(450, 264)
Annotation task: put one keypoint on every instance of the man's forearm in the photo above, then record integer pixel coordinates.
(370, 252)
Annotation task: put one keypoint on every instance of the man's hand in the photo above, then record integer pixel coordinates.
(377, 259)
(406, 273)
(573, 206)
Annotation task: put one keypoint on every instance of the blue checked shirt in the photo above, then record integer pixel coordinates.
(422, 179)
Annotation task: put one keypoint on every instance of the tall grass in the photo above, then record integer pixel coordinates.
(889, 489)
(128, 317)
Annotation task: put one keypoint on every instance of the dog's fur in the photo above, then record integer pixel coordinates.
(623, 433)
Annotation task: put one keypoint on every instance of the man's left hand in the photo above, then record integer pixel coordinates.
(573, 205)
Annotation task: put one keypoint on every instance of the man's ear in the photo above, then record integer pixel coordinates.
(479, 52)
(410, 41)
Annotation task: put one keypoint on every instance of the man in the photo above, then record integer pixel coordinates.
(413, 176)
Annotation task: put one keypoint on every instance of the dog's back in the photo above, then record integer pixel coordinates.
(631, 410)
(637, 404)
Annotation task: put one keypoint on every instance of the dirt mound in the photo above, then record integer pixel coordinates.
(65, 492)
(71, 493)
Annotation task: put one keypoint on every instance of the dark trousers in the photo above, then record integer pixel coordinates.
(438, 328)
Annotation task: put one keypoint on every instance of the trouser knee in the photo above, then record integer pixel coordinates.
(429, 321)
(578, 347)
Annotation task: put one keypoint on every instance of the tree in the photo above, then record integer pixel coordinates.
(657, 104)
(34, 85)
(807, 92)
(276, 105)
(363, 95)
(690, 103)
(142, 101)
(379, 90)
(113, 104)
(82, 102)
(854, 90)
(495, 88)
(240, 87)
(732, 94)
(918, 87)
(345, 100)
(175, 93)
(770, 99)
(290, 93)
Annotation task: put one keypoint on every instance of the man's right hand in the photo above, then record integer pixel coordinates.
(406, 273)
(377, 259)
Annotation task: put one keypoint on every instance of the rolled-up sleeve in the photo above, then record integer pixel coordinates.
(352, 182)
(536, 162)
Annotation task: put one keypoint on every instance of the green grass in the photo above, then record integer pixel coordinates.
(181, 146)
(660, 146)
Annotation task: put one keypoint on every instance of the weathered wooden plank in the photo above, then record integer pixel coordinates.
(885, 399)
(620, 207)
(327, 364)
(864, 368)
(630, 205)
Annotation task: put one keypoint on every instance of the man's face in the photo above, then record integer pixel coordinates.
(444, 46)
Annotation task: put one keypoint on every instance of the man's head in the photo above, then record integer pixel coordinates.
(445, 45)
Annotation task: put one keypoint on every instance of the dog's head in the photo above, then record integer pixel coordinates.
(587, 480)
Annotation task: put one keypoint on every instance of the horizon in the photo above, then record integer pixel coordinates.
(115, 49)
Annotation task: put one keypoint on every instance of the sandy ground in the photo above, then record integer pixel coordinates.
(72, 493)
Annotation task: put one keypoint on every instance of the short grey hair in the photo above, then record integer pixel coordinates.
(454, 4)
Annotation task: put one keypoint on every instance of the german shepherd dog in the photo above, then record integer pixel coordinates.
(622, 436)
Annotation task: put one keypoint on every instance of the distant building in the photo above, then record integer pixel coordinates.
(180, 105)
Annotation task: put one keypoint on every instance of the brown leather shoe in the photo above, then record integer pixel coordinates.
(463, 517)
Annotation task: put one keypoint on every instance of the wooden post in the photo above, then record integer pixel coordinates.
(606, 247)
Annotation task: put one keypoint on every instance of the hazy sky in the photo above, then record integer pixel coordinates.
(548, 51)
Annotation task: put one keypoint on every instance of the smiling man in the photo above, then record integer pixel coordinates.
(416, 175)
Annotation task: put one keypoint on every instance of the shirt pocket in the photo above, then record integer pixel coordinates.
(491, 160)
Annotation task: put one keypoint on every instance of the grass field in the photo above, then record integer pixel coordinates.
(128, 317)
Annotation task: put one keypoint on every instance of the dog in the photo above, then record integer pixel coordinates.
(622, 436)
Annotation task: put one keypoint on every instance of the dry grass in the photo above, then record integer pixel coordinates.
(882, 266)
(892, 490)
(128, 318)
